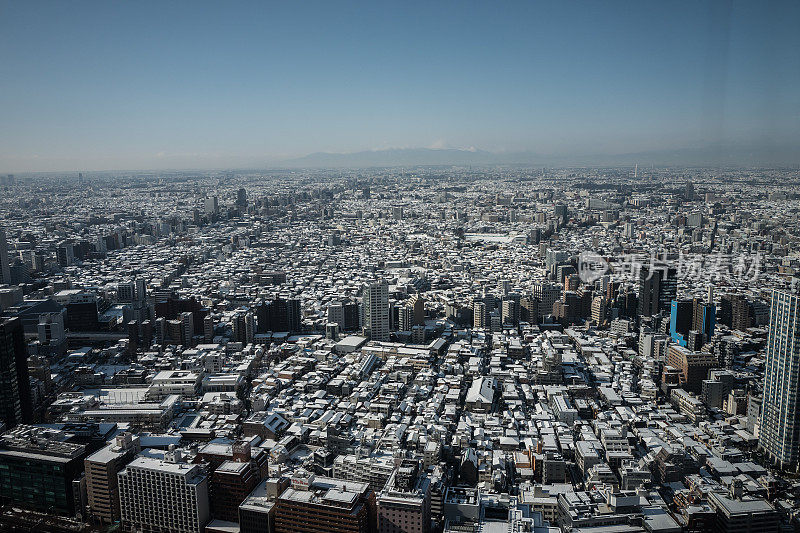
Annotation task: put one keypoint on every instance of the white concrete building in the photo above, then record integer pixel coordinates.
(164, 495)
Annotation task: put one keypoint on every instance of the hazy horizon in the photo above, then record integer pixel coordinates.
(96, 86)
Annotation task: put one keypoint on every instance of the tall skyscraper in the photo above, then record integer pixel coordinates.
(546, 294)
(704, 318)
(241, 197)
(560, 212)
(657, 288)
(15, 389)
(141, 290)
(211, 205)
(187, 328)
(294, 317)
(376, 311)
(780, 413)
(5, 265)
(735, 311)
(344, 313)
(689, 193)
(680, 320)
(65, 253)
(243, 324)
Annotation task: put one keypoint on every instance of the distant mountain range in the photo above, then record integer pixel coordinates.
(711, 155)
(395, 157)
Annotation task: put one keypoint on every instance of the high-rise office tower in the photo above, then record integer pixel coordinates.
(560, 212)
(734, 311)
(529, 309)
(160, 330)
(147, 333)
(546, 294)
(505, 286)
(553, 258)
(628, 230)
(657, 288)
(211, 205)
(235, 470)
(241, 197)
(5, 266)
(243, 327)
(780, 412)
(65, 253)
(52, 336)
(405, 318)
(352, 317)
(680, 320)
(376, 311)
(279, 315)
(187, 328)
(15, 388)
(489, 302)
(239, 327)
(705, 318)
(669, 287)
(250, 327)
(404, 503)
(141, 290)
(294, 316)
(133, 337)
(39, 467)
(689, 192)
(82, 312)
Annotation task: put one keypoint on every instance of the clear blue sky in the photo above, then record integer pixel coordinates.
(127, 85)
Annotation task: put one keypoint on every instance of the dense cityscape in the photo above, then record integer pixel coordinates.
(418, 349)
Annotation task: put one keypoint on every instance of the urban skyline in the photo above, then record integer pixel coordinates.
(350, 267)
(425, 349)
